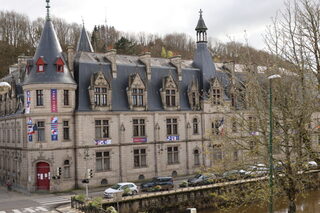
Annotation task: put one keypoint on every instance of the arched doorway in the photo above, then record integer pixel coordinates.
(42, 176)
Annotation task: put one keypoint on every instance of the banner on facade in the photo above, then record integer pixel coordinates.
(172, 138)
(29, 130)
(54, 107)
(28, 101)
(102, 142)
(139, 140)
(54, 128)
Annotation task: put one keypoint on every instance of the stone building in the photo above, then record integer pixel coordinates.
(124, 117)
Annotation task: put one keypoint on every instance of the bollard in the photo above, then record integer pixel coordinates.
(191, 210)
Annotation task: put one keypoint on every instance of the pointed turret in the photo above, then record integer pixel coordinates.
(49, 65)
(84, 43)
(201, 29)
(202, 58)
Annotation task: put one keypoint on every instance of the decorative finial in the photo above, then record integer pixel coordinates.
(48, 9)
(200, 11)
(82, 21)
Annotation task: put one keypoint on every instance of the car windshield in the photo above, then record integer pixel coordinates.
(117, 186)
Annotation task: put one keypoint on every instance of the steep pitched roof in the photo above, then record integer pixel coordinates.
(50, 51)
(84, 43)
(201, 26)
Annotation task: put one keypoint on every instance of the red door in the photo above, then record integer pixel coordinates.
(43, 176)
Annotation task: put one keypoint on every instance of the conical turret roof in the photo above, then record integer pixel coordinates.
(201, 26)
(84, 43)
(49, 52)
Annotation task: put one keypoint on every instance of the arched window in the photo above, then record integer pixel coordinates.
(195, 126)
(196, 157)
(66, 169)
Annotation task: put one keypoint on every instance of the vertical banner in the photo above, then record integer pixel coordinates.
(28, 101)
(54, 100)
(29, 130)
(54, 128)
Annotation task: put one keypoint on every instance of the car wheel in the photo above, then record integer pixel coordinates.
(134, 192)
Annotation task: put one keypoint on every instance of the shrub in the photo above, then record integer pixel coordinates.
(111, 209)
(156, 188)
(80, 197)
(96, 202)
(183, 184)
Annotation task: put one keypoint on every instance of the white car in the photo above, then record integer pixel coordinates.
(121, 187)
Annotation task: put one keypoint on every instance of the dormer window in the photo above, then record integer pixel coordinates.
(100, 92)
(216, 92)
(40, 65)
(137, 93)
(170, 94)
(60, 65)
(194, 96)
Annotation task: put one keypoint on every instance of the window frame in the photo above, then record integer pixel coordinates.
(104, 123)
(140, 158)
(66, 130)
(138, 127)
(173, 155)
(172, 126)
(41, 129)
(66, 97)
(105, 161)
(39, 98)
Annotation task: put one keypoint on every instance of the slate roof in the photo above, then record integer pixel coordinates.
(84, 43)
(49, 49)
(201, 26)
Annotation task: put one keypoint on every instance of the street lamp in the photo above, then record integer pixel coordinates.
(270, 144)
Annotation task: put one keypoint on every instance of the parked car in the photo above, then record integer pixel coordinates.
(165, 183)
(234, 174)
(124, 188)
(257, 170)
(311, 165)
(203, 179)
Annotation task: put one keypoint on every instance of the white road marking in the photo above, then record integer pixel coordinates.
(40, 209)
(16, 211)
(29, 210)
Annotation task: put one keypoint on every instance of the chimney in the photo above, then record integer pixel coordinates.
(145, 58)
(176, 61)
(111, 56)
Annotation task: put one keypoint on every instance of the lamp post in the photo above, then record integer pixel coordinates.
(270, 144)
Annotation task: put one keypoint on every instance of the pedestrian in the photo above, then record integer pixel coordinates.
(9, 185)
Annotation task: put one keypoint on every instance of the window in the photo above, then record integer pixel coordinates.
(173, 154)
(196, 156)
(66, 169)
(60, 65)
(40, 65)
(39, 97)
(172, 126)
(216, 96)
(41, 131)
(103, 161)
(195, 126)
(137, 97)
(66, 97)
(215, 127)
(100, 96)
(235, 155)
(19, 135)
(138, 127)
(139, 158)
(217, 154)
(102, 128)
(66, 135)
(171, 97)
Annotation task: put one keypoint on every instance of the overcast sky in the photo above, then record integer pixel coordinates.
(224, 18)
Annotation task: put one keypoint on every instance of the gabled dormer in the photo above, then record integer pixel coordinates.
(170, 94)
(137, 93)
(100, 92)
(40, 64)
(194, 95)
(216, 92)
(60, 65)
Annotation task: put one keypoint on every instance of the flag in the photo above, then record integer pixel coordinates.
(221, 126)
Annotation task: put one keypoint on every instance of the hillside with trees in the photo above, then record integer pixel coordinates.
(19, 36)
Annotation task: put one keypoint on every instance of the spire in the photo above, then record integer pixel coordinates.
(48, 64)
(84, 43)
(202, 57)
(201, 29)
(48, 9)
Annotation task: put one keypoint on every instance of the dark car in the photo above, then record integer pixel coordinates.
(165, 183)
(203, 179)
(234, 174)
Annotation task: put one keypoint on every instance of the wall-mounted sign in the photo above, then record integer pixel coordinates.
(172, 138)
(54, 105)
(54, 128)
(29, 129)
(138, 140)
(28, 101)
(102, 142)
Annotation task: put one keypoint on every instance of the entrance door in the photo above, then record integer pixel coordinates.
(43, 176)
